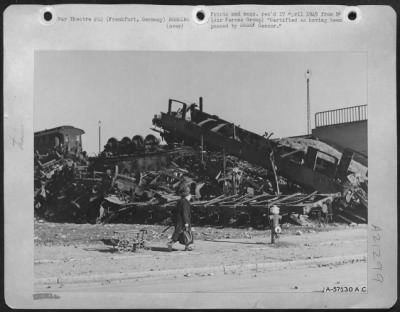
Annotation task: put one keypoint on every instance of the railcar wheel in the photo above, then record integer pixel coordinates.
(138, 142)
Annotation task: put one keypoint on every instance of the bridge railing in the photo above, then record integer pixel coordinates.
(342, 115)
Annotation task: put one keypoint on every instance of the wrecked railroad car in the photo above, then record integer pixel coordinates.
(233, 210)
(312, 170)
(127, 146)
(64, 139)
(139, 160)
(190, 125)
(235, 175)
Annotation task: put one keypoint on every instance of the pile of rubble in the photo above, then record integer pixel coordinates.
(225, 189)
(59, 193)
(235, 176)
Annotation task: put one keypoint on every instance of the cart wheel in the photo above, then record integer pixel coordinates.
(123, 245)
(140, 245)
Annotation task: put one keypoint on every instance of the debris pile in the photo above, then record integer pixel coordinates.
(62, 191)
(225, 190)
(235, 176)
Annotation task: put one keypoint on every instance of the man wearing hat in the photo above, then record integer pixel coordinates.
(181, 217)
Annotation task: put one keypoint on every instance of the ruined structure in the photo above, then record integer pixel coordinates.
(312, 169)
(235, 175)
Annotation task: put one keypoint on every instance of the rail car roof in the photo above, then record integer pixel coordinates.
(64, 129)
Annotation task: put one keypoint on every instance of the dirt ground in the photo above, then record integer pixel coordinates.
(75, 253)
(71, 234)
(239, 291)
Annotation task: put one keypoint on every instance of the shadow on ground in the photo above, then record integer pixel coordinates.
(105, 250)
(163, 249)
(115, 250)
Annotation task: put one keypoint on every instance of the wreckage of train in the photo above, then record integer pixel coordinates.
(313, 169)
(199, 145)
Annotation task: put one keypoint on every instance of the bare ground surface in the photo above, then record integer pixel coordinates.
(310, 279)
(66, 251)
(314, 265)
(240, 290)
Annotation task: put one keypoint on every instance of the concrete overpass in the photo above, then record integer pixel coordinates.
(344, 128)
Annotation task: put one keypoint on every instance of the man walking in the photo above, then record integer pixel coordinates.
(181, 216)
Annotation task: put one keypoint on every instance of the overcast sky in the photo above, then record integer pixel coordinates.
(258, 91)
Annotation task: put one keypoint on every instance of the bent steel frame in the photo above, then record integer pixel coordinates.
(191, 125)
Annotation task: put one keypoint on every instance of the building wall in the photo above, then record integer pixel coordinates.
(353, 135)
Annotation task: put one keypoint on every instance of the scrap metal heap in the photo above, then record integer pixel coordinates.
(59, 184)
(235, 177)
(312, 169)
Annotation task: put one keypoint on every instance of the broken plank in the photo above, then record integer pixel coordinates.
(280, 200)
(247, 200)
(255, 198)
(212, 201)
(302, 199)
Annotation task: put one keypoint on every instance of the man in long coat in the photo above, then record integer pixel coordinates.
(181, 216)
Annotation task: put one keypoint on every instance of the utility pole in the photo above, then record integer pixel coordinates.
(224, 168)
(308, 76)
(99, 136)
(202, 149)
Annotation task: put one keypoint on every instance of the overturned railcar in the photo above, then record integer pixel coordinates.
(312, 170)
(191, 125)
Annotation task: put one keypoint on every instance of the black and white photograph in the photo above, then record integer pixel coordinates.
(165, 172)
(202, 164)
